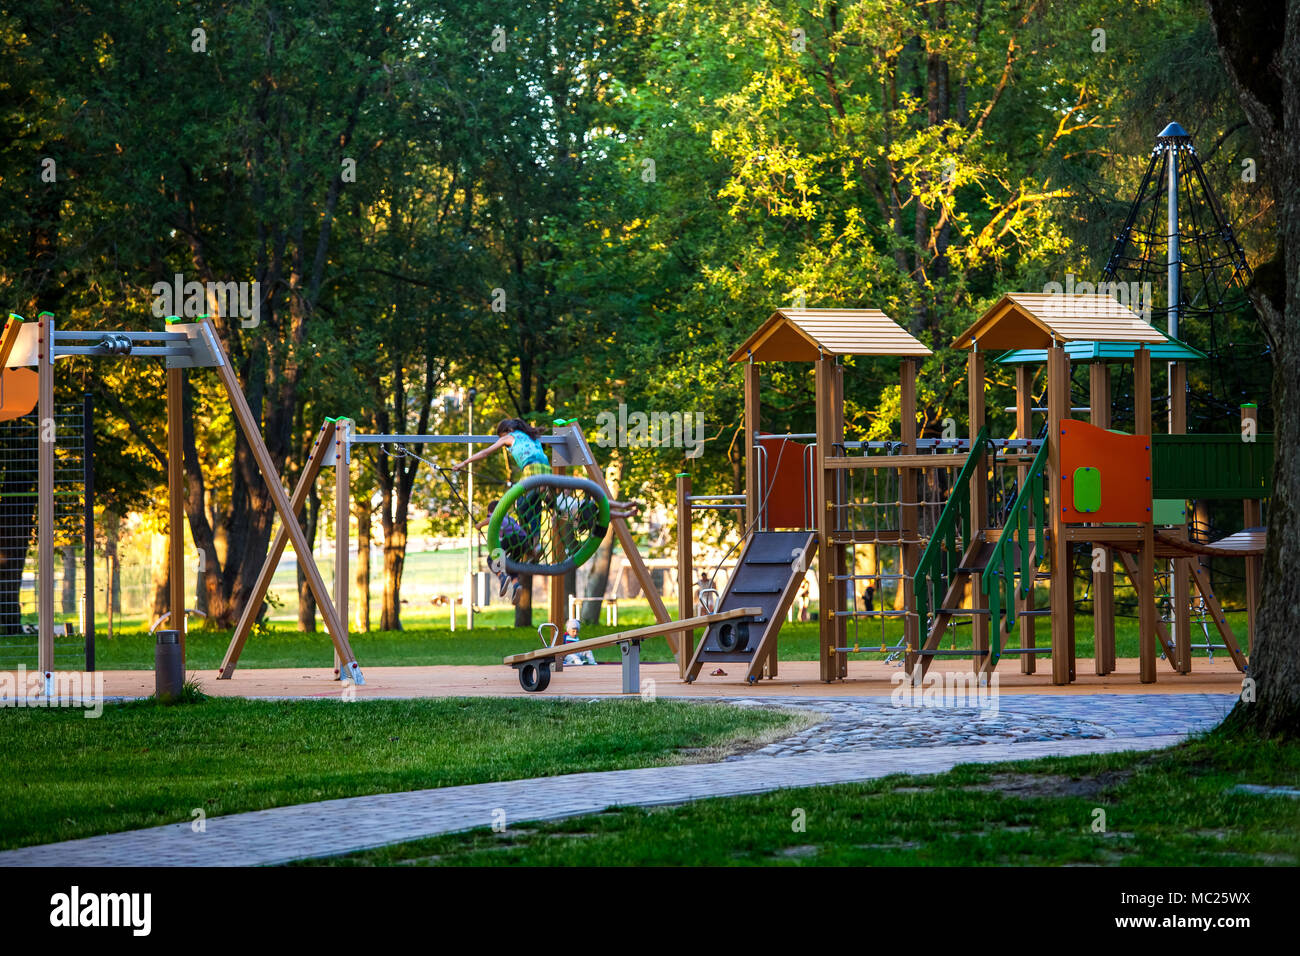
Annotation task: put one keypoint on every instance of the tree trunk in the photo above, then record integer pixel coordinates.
(1260, 46)
(68, 584)
(307, 600)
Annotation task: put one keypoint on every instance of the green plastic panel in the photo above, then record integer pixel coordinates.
(1087, 489)
(1169, 511)
(1211, 466)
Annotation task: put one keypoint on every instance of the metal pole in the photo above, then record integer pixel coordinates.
(88, 547)
(469, 519)
(1174, 263)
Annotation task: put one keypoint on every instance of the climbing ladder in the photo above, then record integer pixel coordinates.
(767, 576)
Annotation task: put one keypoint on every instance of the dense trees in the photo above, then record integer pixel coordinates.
(566, 205)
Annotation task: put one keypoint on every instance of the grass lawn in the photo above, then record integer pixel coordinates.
(1170, 809)
(141, 764)
(423, 644)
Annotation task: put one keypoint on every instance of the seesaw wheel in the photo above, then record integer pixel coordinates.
(535, 676)
(733, 638)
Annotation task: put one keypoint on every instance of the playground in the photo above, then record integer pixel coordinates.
(587, 441)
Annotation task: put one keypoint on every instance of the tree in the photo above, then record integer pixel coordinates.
(1260, 46)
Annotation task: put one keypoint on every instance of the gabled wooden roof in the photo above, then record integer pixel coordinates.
(804, 335)
(1033, 320)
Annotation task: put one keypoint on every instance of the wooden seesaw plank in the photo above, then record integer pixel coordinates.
(640, 633)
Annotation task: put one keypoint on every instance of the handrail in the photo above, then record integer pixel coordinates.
(999, 578)
(940, 559)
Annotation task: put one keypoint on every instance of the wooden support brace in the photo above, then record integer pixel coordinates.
(253, 607)
(248, 421)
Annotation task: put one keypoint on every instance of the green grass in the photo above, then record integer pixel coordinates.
(1165, 809)
(141, 764)
(284, 647)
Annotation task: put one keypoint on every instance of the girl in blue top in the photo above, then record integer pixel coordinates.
(523, 441)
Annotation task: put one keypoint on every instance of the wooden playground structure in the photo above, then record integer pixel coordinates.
(977, 523)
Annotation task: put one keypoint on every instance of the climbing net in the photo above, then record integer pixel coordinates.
(547, 524)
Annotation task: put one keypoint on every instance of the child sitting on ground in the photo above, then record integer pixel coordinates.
(571, 628)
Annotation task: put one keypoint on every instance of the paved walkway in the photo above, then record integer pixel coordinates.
(859, 739)
(358, 823)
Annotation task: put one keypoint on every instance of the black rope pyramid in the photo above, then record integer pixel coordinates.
(1215, 314)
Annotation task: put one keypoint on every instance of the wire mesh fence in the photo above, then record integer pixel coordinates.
(19, 487)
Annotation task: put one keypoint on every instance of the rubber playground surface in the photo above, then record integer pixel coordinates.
(795, 678)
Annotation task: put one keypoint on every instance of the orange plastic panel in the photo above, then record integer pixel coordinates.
(1125, 465)
(789, 489)
(19, 389)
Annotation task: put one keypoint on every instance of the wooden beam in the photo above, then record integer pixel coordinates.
(252, 432)
(342, 530)
(557, 593)
(908, 518)
(753, 467)
(1062, 584)
(9, 338)
(1025, 429)
(685, 574)
(840, 552)
(637, 634)
(827, 589)
(253, 606)
(1252, 515)
(176, 619)
(1202, 577)
(1180, 569)
(1133, 572)
(953, 460)
(1146, 583)
(979, 489)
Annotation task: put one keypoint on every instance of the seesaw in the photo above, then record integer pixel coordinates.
(534, 667)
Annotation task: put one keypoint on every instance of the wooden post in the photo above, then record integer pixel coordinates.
(1025, 430)
(1062, 585)
(979, 518)
(253, 607)
(685, 573)
(1180, 569)
(753, 465)
(248, 422)
(908, 519)
(841, 552)
(1146, 584)
(342, 529)
(176, 504)
(1103, 582)
(556, 591)
(45, 516)
(828, 593)
(1253, 518)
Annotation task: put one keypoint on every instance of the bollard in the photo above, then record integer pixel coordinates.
(168, 667)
